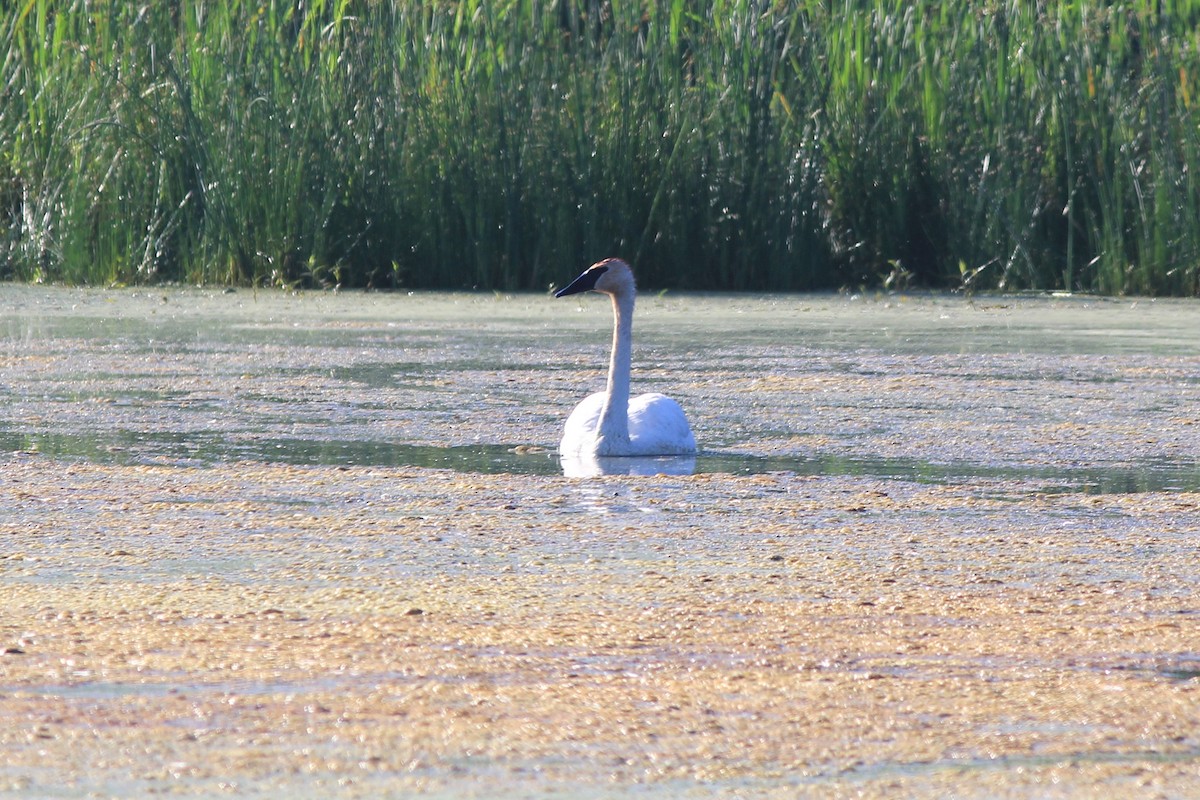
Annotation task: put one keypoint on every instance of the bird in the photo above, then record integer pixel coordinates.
(609, 423)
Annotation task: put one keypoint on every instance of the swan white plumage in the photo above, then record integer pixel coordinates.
(609, 423)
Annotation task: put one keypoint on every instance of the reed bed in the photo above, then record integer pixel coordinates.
(738, 144)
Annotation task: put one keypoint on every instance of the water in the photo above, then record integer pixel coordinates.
(918, 498)
(1065, 394)
(131, 448)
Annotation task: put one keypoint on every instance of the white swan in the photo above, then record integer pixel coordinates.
(608, 423)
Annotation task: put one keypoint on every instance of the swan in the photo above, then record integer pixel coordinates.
(609, 423)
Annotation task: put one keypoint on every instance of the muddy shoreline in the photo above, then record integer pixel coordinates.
(185, 613)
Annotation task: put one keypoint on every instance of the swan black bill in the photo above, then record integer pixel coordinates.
(584, 283)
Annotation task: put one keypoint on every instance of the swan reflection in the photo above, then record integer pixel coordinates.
(586, 465)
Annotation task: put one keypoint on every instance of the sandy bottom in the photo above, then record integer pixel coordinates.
(245, 628)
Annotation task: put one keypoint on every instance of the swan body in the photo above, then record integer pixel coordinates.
(610, 423)
(657, 427)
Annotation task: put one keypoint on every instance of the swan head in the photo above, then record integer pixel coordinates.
(610, 276)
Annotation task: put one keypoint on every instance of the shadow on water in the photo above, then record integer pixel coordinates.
(208, 449)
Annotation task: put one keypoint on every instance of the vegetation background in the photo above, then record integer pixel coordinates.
(736, 144)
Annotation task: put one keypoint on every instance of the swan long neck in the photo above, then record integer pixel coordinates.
(614, 419)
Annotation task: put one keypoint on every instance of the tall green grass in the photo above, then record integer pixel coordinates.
(738, 144)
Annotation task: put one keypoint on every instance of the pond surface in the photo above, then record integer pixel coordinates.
(1097, 394)
(128, 448)
(321, 545)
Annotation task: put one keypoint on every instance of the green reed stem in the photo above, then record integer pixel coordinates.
(732, 145)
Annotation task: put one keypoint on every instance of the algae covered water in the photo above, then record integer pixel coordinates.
(321, 544)
(1101, 390)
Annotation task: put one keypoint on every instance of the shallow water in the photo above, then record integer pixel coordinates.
(212, 450)
(321, 545)
(1069, 393)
